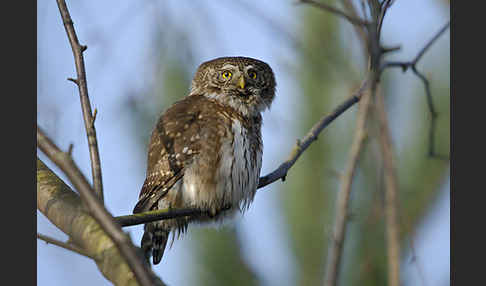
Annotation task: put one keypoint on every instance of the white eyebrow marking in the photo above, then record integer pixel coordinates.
(228, 66)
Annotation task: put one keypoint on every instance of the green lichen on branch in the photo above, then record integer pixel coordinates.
(64, 209)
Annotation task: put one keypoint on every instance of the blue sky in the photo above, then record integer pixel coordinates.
(118, 59)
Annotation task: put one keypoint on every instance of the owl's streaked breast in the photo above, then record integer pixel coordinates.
(246, 164)
(235, 176)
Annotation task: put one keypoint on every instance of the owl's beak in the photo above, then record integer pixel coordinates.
(241, 82)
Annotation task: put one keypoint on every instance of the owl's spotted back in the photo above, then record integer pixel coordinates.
(206, 149)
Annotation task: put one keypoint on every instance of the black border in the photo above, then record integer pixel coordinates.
(19, 86)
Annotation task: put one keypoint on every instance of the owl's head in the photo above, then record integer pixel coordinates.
(245, 84)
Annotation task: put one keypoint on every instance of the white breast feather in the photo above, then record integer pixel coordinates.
(237, 179)
(245, 172)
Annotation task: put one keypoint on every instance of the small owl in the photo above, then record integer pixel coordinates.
(206, 149)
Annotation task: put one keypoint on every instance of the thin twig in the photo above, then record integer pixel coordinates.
(391, 194)
(81, 82)
(302, 145)
(361, 31)
(384, 8)
(413, 63)
(328, 8)
(413, 66)
(439, 33)
(68, 246)
(97, 210)
(341, 218)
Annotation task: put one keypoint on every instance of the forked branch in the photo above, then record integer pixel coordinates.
(97, 210)
(413, 66)
(65, 245)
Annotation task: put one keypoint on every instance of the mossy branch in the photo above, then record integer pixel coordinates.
(64, 209)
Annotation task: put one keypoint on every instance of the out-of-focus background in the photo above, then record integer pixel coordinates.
(141, 56)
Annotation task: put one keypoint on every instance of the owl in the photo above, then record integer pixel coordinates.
(205, 151)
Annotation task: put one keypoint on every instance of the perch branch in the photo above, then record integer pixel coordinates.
(150, 216)
(341, 217)
(81, 82)
(96, 209)
(65, 245)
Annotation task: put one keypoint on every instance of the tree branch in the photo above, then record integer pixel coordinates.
(340, 221)
(302, 145)
(81, 82)
(64, 209)
(65, 245)
(150, 216)
(391, 195)
(97, 210)
(361, 31)
(412, 65)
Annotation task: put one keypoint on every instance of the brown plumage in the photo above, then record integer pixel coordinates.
(205, 151)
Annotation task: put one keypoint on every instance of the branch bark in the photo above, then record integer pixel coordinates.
(391, 195)
(97, 210)
(340, 221)
(64, 208)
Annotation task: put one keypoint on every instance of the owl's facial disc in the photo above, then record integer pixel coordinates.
(245, 84)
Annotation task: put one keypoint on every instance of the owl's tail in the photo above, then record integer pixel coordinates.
(154, 241)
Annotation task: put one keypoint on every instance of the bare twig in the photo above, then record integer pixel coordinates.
(384, 8)
(361, 31)
(68, 246)
(352, 19)
(412, 65)
(97, 210)
(81, 82)
(391, 195)
(302, 145)
(340, 221)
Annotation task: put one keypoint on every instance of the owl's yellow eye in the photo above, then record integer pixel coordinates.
(252, 74)
(226, 74)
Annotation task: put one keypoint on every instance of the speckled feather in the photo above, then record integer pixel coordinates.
(206, 149)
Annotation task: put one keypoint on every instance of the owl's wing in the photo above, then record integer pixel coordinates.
(173, 144)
